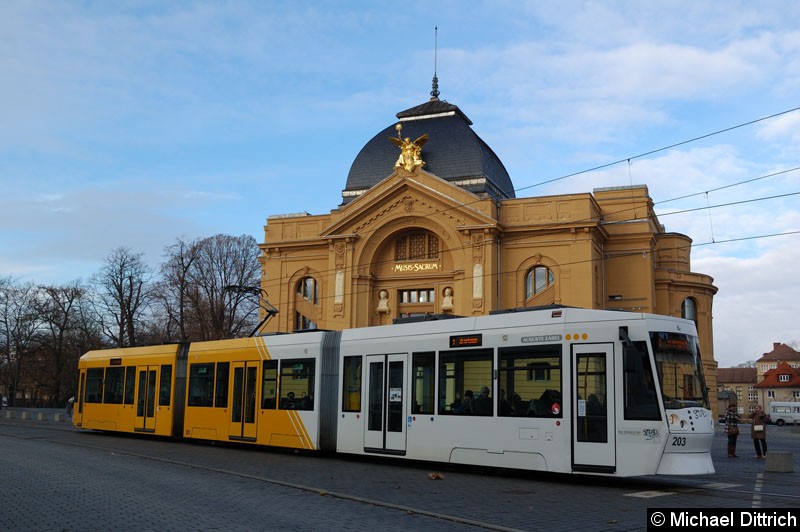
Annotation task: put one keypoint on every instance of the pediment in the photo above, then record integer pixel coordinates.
(405, 194)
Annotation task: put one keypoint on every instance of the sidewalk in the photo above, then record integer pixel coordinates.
(779, 440)
(39, 414)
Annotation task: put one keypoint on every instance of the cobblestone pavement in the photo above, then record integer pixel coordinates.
(57, 478)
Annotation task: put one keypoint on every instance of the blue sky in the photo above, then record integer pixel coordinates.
(135, 123)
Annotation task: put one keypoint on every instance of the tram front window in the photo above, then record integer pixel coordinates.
(680, 370)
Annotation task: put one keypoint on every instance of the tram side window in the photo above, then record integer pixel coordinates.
(530, 381)
(94, 385)
(221, 394)
(465, 382)
(641, 401)
(114, 385)
(130, 384)
(423, 370)
(297, 384)
(351, 384)
(201, 385)
(269, 386)
(165, 390)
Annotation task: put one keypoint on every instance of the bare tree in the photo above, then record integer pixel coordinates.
(172, 292)
(19, 325)
(200, 275)
(122, 295)
(61, 338)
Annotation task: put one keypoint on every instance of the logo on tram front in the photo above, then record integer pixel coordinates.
(650, 434)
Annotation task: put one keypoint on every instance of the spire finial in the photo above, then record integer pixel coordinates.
(435, 84)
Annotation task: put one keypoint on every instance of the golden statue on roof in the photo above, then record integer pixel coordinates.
(409, 151)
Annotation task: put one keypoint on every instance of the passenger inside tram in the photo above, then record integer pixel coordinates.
(288, 402)
(465, 405)
(483, 403)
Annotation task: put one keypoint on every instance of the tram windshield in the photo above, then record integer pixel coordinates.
(680, 370)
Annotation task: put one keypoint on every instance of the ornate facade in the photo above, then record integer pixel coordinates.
(440, 230)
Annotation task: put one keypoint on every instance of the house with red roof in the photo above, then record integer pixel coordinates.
(778, 375)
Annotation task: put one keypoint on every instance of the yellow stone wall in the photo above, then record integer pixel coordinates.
(606, 250)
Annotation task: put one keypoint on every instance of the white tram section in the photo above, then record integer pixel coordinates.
(571, 431)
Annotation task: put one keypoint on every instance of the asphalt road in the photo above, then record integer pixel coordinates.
(56, 478)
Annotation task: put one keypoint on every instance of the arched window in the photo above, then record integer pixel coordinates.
(537, 280)
(420, 245)
(305, 304)
(689, 309)
(307, 289)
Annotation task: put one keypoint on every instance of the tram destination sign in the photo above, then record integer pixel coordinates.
(467, 340)
(540, 339)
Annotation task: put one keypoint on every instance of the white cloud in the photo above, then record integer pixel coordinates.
(756, 302)
(132, 124)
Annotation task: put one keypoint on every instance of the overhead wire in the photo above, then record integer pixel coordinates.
(555, 225)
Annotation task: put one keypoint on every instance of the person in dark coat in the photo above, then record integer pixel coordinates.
(732, 429)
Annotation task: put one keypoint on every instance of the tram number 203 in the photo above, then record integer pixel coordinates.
(678, 441)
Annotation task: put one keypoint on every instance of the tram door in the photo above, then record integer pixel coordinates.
(386, 385)
(243, 406)
(77, 407)
(593, 444)
(146, 398)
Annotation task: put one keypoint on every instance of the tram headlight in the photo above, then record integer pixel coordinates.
(676, 421)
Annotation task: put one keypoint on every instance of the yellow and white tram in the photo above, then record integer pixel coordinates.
(556, 389)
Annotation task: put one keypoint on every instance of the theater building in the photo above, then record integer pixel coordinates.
(429, 223)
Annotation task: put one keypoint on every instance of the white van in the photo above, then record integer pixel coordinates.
(783, 412)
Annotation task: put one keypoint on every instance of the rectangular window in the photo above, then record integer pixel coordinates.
(530, 381)
(465, 382)
(423, 370)
(641, 401)
(771, 394)
(783, 378)
(351, 384)
(422, 295)
(130, 384)
(221, 395)
(165, 391)
(201, 385)
(590, 376)
(114, 385)
(375, 399)
(94, 385)
(269, 385)
(297, 384)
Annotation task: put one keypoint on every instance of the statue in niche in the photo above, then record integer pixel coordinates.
(447, 302)
(383, 302)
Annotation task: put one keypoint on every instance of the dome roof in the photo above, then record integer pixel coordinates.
(453, 152)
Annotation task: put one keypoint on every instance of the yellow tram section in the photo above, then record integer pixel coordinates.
(254, 412)
(127, 390)
(233, 391)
